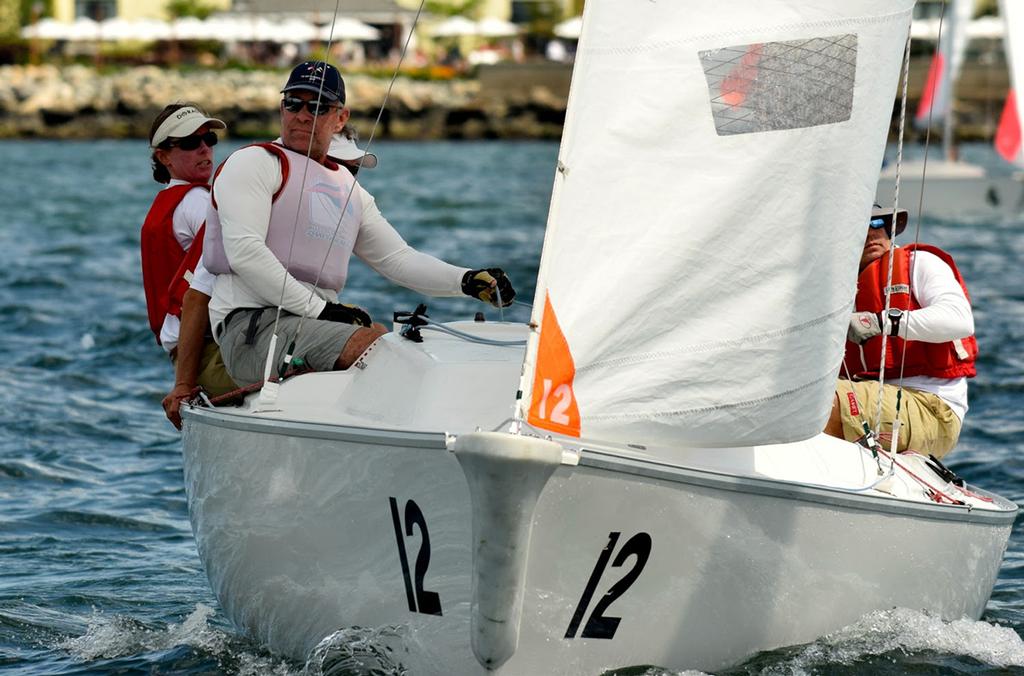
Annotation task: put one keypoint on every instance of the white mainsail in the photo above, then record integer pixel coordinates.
(708, 214)
(1008, 136)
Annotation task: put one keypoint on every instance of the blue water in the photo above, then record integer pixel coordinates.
(99, 570)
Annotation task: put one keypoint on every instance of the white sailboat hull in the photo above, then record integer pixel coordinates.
(954, 190)
(703, 556)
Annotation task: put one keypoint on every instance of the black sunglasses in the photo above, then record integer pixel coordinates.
(192, 142)
(294, 104)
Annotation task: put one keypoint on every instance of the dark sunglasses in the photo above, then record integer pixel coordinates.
(192, 142)
(294, 104)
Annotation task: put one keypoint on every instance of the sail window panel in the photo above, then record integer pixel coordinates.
(771, 86)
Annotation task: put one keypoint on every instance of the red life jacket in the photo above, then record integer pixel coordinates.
(166, 267)
(953, 359)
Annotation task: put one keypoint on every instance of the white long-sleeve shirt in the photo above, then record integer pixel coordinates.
(945, 315)
(189, 216)
(243, 192)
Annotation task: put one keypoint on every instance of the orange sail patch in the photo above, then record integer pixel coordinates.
(553, 404)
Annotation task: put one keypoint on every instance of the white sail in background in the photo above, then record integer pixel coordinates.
(936, 103)
(716, 173)
(1008, 136)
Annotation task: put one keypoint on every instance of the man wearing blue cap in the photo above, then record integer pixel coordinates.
(930, 344)
(283, 223)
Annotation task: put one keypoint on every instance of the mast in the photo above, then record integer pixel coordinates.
(947, 83)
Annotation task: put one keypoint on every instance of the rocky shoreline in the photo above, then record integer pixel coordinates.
(505, 101)
(78, 102)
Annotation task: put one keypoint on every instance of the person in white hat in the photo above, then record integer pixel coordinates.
(344, 151)
(930, 349)
(181, 140)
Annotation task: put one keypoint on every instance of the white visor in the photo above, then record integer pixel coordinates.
(181, 123)
(345, 150)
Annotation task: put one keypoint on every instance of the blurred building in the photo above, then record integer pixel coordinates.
(129, 10)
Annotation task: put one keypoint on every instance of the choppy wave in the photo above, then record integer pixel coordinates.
(119, 636)
(898, 636)
(356, 651)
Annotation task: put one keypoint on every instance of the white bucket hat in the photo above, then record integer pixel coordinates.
(345, 149)
(181, 123)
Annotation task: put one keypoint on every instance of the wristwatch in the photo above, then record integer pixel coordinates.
(895, 316)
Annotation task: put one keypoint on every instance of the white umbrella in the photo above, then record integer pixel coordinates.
(143, 29)
(496, 28)
(454, 27)
(228, 28)
(152, 29)
(83, 28)
(987, 27)
(117, 29)
(190, 28)
(924, 29)
(46, 29)
(296, 30)
(263, 30)
(570, 29)
(346, 28)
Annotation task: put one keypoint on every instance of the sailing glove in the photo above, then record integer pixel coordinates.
(863, 326)
(345, 314)
(488, 285)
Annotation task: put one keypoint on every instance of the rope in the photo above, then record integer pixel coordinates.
(380, 113)
(437, 326)
(291, 244)
(894, 441)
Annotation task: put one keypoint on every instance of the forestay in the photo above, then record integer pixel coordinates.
(1008, 136)
(716, 173)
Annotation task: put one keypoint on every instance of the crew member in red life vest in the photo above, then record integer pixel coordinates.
(282, 228)
(930, 340)
(182, 139)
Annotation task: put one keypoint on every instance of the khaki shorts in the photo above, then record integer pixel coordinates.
(244, 343)
(928, 426)
(213, 376)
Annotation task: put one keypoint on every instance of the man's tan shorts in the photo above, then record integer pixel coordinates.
(213, 376)
(928, 426)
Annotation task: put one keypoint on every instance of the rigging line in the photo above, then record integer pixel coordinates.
(860, 412)
(894, 442)
(355, 184)
(369, 142)
(268, 367)
(920, 201)
(437, 326)
(309, 153)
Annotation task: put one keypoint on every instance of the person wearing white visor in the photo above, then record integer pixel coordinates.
(181, 140)
(345, 152)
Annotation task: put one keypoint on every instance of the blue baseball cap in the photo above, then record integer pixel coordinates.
(317, 76)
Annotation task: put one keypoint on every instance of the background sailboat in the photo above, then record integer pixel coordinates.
(953, 186)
